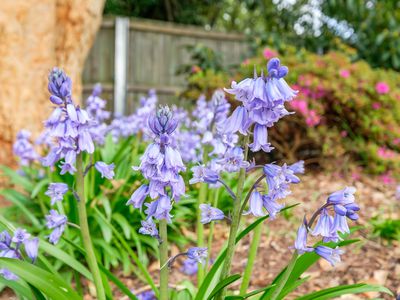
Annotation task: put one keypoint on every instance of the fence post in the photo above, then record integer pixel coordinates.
(120, 65)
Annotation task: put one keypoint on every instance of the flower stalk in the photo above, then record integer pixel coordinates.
(163, 260)
(84, 226)
(283, 279)
(255, 242)
(235, 222)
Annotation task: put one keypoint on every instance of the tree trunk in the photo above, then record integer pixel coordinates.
(36, 35)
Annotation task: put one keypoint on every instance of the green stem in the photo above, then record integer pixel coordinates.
(283, 279)
(87, 243)
(214, 193)
(226, 268)
(200, 228)
(163, 260)
(251, 258)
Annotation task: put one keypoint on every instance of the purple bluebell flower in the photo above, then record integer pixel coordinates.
(332, 255)
(233, 160)
(31, 248)
(23, 148)
(138, 196)
(106, 171)
(56, 191)
(256, 205)
(271, 206)
(340, 224)
(260, 139)
(300, 243)
(149, 228)
(57, 222)
(209, 213)
(238, 121)
(146, 295)
(343, 197)
(163, 210)
(298, 167)
(324, 225)
(189, 267)
(20, 236)
(5, 240)
(198, 254)
(203, 174)
(7, 274)
(60, 86)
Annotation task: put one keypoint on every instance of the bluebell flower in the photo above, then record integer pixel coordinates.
(146, 295)
(332, 255)
(198, 254)
(298, 167)
(260, 140)
(209, 213)
(57, 222)
(31, 248)
(106, 171)
(324, 225)
(20, 236)
(7, 274)
(139, 196)
(340, 224)
(190, 267)
(300, 243)
(343, 197)
(233, 160)
(238, 121)
(56, 191)
(5, 240)
(148, 228)
(203, 174)
(24, 149)
(271, 206)
(256, 204)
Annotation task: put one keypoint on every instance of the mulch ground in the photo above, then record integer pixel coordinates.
(371, 260)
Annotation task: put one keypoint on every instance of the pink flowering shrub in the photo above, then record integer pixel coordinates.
(343, 109)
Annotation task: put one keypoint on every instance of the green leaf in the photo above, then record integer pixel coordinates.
(118, 283)
(38, 187)
(345, 290)
(210, 275)
(65, 258)
(17, 178)
(44, 281)
(19, 287)
(123, 223)
(222, 284)
(20, 201)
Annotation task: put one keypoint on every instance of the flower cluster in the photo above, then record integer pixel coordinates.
(263, 99)
(68, 124)
(24, 149)
(10, 247)
(278, 179)
(95, 107)
(332, 221)
(160, 165)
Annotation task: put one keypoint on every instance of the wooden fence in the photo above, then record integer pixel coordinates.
(154, 51)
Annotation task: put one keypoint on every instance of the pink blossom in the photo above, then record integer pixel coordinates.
(313, 118)
(387, 178)
(376, 105)
(356, 175)
(268, 53)
(385, 153)
(246, 62)
(343, 133)
(300, 105)
(382, 88)
(396, 141)
(344, 73)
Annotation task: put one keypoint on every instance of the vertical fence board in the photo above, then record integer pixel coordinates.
(156, 51)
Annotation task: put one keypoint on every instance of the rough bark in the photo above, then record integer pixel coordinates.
(36, 35)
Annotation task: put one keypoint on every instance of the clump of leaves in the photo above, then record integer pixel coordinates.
(388, 229)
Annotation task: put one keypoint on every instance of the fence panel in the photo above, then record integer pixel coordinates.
(155, 52)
